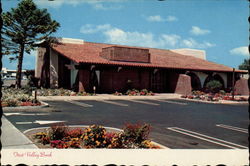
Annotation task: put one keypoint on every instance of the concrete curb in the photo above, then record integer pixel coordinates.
(216, 102)
(84, 126)
(109, 97)
(12, 138)
(44, 104)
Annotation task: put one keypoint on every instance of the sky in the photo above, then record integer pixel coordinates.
(220, 27)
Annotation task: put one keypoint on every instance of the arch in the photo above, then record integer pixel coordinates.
(219, 78)
(195, 81)
(214, 77)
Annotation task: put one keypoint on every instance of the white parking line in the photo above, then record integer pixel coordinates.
(144, 102)
(112, 102)
(79, 103)
(41, 122)
(232, 128)
(171, 102)
(24, 122)
(25, 114)
(207, 138)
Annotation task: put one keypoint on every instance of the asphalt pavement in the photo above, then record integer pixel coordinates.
(177, 124)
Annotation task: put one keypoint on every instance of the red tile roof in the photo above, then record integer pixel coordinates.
(90, 53)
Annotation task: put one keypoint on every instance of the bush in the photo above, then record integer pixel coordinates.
(214, 86)
(12, 102)
(75, 133)
(135, 134)
(58, 131)
(94, 137)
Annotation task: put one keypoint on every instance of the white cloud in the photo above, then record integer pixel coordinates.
(158, 18)
(99, 6)
(119, 36)
(171, 40)
(171, 18)
(116, 35)
(96, 4)
(240, 51)
(90, 29)
(57, 3)
(198, 31)
(192, 43)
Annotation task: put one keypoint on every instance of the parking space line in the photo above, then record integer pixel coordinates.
(207, 138)
(26, 114)
(112, 102)
(24, 123)
(144, 102)
(41, 122)
(171, 102)
(79, 103)
(232, 128)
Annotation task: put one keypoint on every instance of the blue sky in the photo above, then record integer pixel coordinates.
(219, 27)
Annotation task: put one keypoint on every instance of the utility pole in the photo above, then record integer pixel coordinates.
(233, 84)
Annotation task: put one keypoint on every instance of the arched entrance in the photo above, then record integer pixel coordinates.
(195, 81)
(216, 77)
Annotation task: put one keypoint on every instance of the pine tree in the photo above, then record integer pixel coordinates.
(245, 65)
(1, 55)
(23, 28)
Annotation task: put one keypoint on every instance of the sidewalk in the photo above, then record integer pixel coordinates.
(12, 138)
(111, 97)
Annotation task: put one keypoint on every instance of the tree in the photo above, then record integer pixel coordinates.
(23, 28)
(245, 65)
(1, 55)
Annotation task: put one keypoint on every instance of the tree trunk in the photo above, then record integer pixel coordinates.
(1, 55)
(19, 67)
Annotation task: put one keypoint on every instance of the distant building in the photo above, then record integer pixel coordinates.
(8, 74)
(82, 65)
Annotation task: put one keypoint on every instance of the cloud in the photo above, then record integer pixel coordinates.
(116, 35)
(240, 51)
(96, 4)
(158, 18)
(171, 18)
(90, 29)
(171, 39)
(99, 6)
(57, 3)
(198, 31)
(192, 43)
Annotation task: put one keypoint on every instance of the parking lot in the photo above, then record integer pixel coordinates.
(177, 124)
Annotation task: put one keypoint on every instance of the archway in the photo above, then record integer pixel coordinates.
(216, 77)
(195, 81)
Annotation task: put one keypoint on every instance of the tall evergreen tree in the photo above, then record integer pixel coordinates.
(1, 55)
(245, 65)
(23, 28)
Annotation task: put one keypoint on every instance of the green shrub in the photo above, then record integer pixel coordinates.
(214, 85)
(11, 102)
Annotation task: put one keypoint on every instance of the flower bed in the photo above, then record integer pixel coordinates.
(95, 136)
(199, 95)
(17, 97)
(135, 92)
(61, 92)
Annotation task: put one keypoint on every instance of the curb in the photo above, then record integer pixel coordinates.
(44, 105)
(108, 97)
(10, 133)
(216, 102)
(84, 126)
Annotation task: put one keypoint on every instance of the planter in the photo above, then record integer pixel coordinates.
(60, 143)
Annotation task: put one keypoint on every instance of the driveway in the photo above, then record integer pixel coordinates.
(177, 124)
